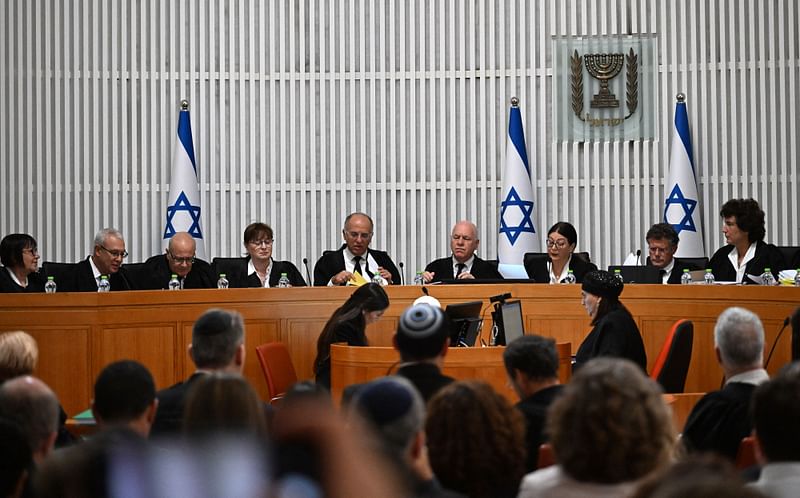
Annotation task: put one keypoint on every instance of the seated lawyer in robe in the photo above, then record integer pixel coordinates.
(463, 263)
(662, 243)
(179, 259)
(106, 259)
(20, 257)
(746, 252)
(562, 238)
(337, 267)
(259, 269)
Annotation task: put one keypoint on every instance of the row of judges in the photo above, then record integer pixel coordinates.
(745, 254)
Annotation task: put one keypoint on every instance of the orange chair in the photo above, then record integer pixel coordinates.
(277, 367)
(672, 363)
(746, 456)
(546, 456)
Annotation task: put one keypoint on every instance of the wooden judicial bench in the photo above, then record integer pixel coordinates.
(79, 333)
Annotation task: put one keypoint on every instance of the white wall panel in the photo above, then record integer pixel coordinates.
(305, 110)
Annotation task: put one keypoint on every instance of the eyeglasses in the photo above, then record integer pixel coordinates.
(32, 251)
(357, 235)
(264, 242)
(115, 254)
(560, 244)
(181, 261)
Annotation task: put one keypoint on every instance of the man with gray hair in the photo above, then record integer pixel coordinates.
(721, 419)
(31, 405)
(108, 252)
(217, 346)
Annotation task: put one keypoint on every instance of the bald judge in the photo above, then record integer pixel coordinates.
(178, 259)
(463, 264)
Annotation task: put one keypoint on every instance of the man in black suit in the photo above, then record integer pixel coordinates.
(662, 242)
(178, 259)
(217, 346)
(337, 267)
(106, 259)
(531, 362)
(463, 263)
(422, 338)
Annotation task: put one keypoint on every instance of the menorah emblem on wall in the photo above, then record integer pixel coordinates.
(604, 67)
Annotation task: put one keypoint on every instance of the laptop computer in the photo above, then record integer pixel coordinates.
(638, 274)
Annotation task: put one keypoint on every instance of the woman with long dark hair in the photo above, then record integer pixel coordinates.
(348, 324)
(562, 238)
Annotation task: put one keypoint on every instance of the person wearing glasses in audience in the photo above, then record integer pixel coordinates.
(20, 257)
(258, 268)
(662, 242)
(355, 255)
(108, 252)
(463, 263)
(561, 241)
(178, 259)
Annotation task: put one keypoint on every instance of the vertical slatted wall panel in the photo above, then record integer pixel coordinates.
(304, 111)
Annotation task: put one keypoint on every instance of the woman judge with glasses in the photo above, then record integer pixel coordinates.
(20, 258)
(258, 268)
(561, 241)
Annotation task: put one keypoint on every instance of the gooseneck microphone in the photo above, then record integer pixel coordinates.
(308, 274)
(772, 350)
(402, 274)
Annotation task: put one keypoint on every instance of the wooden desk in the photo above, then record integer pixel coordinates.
(79, 333)
(354, 365)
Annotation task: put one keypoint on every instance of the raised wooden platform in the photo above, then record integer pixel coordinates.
(80, 333)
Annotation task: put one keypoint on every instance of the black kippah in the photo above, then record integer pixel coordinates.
(602, 283)
(384, 401)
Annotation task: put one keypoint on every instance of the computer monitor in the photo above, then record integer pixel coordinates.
(508, 319)
(638, 274)
(465, 322)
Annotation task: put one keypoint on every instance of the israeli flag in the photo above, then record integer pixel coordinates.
(183, 204)
(517, 232)
(681, 201)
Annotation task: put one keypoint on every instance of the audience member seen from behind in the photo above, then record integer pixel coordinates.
(476, 440)
(608, 429)
(776, 427)
(33, 407)
(698, 476)
(463, 263)
(614, 331)
(395, 413)
(562, 238)
(259, 268)
(422, 338)
(20, 257)
(15, 460)
(721, 419)
(662, 243)
(746, 253)
(349, 324)
(224, 405)
(178, 259)
(531, 362)
(19, 354)
(125, 398)
(217, 346)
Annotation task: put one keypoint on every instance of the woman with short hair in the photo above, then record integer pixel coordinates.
(20, 257)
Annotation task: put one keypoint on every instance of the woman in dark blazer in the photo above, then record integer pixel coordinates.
(20, 257)
(258, 269)
(746, 253)
(561, 241)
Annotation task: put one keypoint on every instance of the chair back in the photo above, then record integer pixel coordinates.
(698, 263)
(62, 273)
(672, 363)
(746, 455)
(546, 456)
(139, 276)
(278, 368)
(790, 253)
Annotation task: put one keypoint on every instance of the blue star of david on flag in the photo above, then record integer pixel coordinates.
(182, 204)
(676, 198)
(526, 222)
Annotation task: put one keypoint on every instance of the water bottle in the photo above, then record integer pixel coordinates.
(284, 281)
(708, 277)
(767, 278)
(797, 278)
(686, 278)
(50, 285)
(174, 283)
(618, 275)
(418, 280)
(570, 278)
(378, 279)
(222, 283)
(105, 285)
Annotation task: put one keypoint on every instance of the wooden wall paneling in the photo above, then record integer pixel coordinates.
(258, 332)
(300, 337)
(153, 345)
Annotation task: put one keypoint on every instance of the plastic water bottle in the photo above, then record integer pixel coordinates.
(797, 278)
(222, 283)
(104, 285)
(284, 281)
(686, 278)
(767, 278)
(378, 279)
(708, 277)
(174, 283)
(50, 285)
(618, 275)
(570, 278)
(418, 280)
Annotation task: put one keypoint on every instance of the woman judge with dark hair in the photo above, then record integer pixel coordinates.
(258, 268)
(20, 257)
(561, 241)
(746, 253)
(615, 332)
(348, 324)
